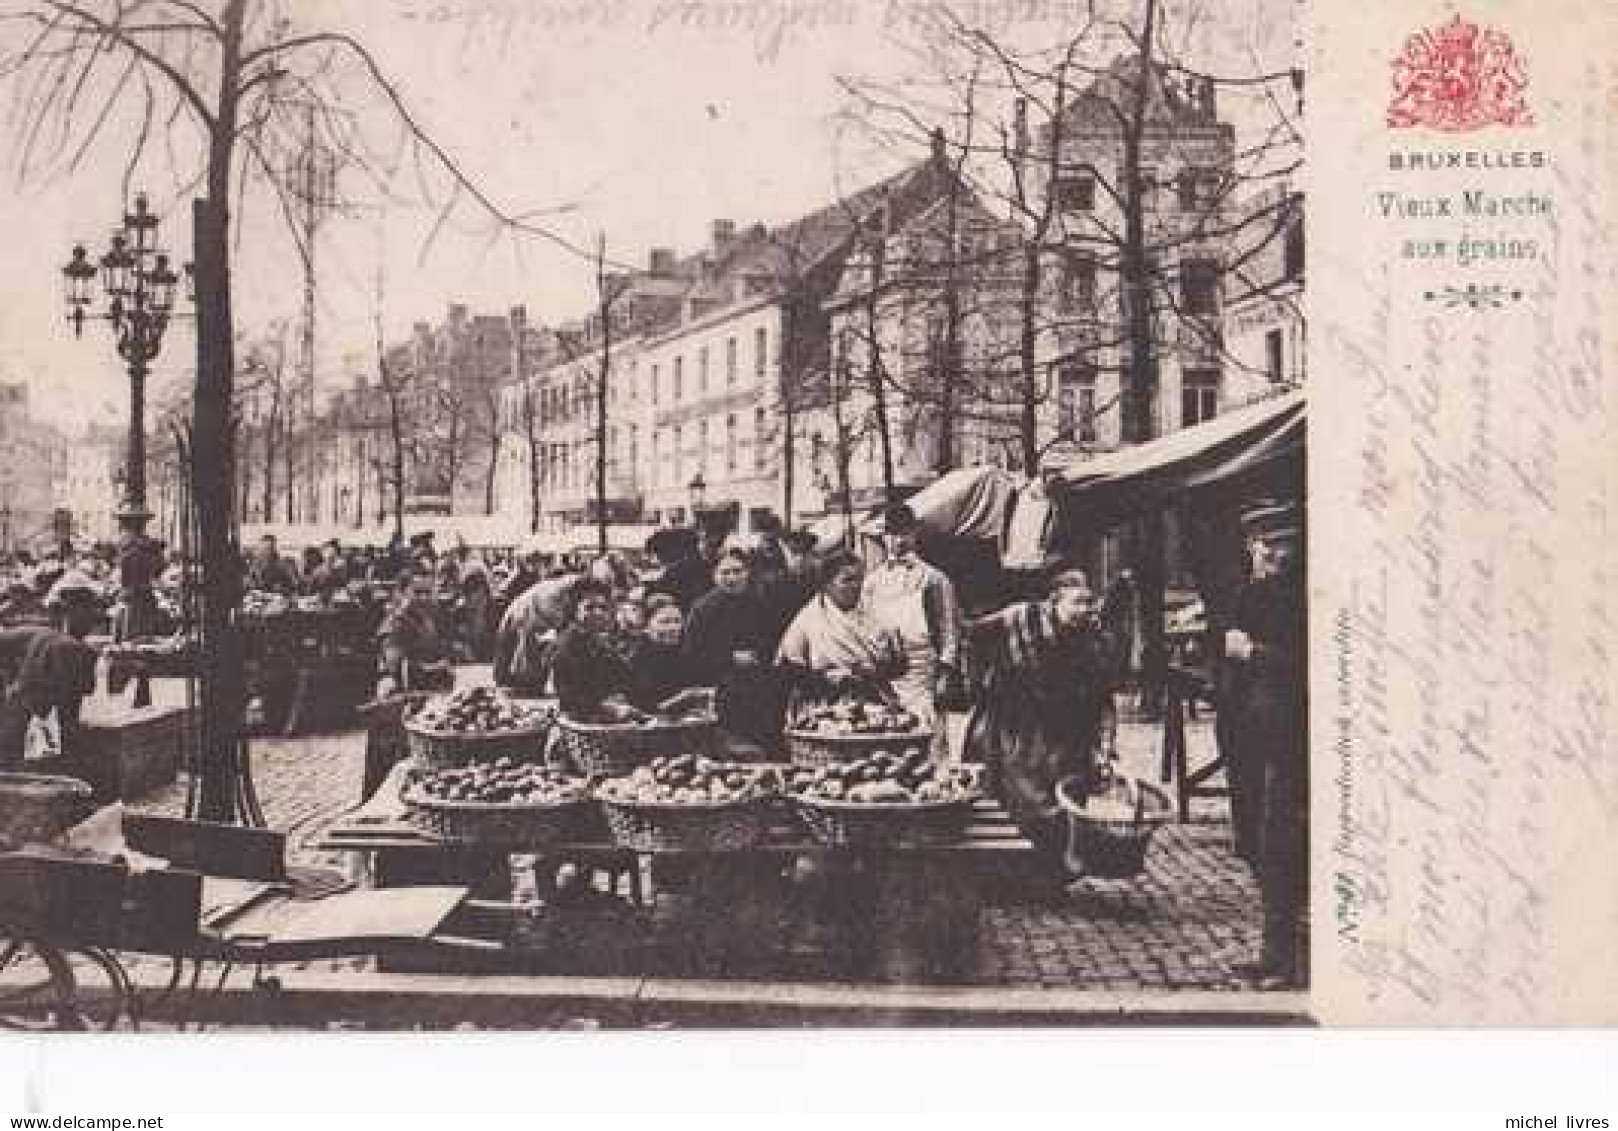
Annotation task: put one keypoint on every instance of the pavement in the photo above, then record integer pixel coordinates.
(1180, 928)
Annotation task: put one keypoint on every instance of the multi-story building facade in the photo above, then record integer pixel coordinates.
(719, 375)
(1264, 316)
(32, 458)
(86, 481)
(1177, 191)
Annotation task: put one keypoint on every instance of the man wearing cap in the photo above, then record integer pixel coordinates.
(916, 601)
(1269, 644)
(267, 571)
(48, 669)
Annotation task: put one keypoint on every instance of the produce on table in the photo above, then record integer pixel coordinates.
(885, 777)
(856, 716)
(687, 779)
(504, 781)
(154, 645)
(479, 711)
(258, 603)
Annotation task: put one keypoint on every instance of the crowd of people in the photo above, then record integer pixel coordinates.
(761, 628)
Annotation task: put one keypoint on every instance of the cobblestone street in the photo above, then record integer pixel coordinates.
(1183, 926)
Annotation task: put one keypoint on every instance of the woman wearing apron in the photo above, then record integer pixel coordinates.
(916, 602)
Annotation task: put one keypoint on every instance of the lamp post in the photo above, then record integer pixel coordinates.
(139, 286)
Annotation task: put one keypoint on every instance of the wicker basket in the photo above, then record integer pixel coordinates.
(855, 824)
(610, 750)
(1106, 846)
(39, 807)
(813, 750)
(688, 827)
(526, 826)
(434, 751)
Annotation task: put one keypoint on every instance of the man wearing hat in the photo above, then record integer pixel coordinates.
(1269, 643)
(48, 669)
(917, 601)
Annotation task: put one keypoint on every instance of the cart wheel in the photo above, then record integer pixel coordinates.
(43, 988)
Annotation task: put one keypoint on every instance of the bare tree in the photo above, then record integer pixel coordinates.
(241, 75)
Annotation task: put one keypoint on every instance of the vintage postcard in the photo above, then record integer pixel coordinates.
(684, 513)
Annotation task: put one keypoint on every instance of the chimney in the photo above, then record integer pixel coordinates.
(519, 317)
(723, 232)
(660, 263)
(939, 154)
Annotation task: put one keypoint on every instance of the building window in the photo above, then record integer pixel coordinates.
(1198, 189)
(1199, 396)
(1076, 193)
(657, 375)
(702, 448)
(730, 442)
(760, 438)
(702, 372)
(730, 361)
(1292, 250)
(679, 379)
(761, 352)
(679, 454)
(1076, 402)
(1273, 357)
(1199, 287)
(1078, 282)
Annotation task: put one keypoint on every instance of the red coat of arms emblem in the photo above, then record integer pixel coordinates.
(1458, 77)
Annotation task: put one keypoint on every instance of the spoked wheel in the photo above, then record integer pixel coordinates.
(44, 988)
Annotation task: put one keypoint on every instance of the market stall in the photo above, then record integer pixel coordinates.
(895, 830)
(1203, 476)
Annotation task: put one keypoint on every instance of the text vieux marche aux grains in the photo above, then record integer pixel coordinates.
(1475, 204)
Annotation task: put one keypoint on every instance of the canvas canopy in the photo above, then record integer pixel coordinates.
(1258, 441)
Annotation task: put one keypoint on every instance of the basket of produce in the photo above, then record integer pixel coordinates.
(477, 724)
(688, 804)
(1110, 827)
(502, 803)
(883, 799)
(39, 807)
(852, 729)
(600, 749)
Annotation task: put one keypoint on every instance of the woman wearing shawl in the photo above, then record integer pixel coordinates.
(415, 648)
(1048, 673)
(727, 641)
(591, 672)
(834, 645)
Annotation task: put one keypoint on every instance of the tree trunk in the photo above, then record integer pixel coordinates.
(1028, 359)
(602, 380)
(531, 428)
(224, 788)
(1140, 399)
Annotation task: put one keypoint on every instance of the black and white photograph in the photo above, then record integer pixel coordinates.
(547, 516)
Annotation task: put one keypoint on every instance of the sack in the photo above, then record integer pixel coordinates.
(531, 663)
(43, 740)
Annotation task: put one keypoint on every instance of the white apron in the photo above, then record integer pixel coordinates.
(899, 607)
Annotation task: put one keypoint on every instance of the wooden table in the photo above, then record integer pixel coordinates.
(125, 752)
(928, 897)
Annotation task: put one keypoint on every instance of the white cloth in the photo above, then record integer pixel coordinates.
(894, 592)
(1029, 531)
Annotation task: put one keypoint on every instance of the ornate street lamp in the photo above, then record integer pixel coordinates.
(139, 286)
(698, 487)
